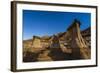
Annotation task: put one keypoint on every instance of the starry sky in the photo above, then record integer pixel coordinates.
(41, 23)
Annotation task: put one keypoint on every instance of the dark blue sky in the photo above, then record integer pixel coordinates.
(42, 23)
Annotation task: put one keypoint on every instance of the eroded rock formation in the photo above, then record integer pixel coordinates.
(72, 44)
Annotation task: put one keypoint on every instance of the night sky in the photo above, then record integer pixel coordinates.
(41, 23)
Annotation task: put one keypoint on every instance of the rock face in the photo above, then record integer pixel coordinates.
(72, 44)
(86, 34)
(55, 50)
(55, 42)
(36, 42)
(77, 43)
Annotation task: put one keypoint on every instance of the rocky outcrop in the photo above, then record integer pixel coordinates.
(72, 44)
